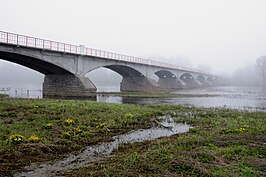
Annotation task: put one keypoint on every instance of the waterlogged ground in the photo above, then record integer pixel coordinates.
(101, 151)
(222, 143)
(59, 134)
(242, 98)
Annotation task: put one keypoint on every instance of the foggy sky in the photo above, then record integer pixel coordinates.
(222, 34)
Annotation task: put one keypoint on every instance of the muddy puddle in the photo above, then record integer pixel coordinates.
(166, 127)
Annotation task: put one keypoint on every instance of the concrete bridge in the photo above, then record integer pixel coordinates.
(65, 65)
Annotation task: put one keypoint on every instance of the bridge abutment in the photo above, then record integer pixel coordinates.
(138, 84)
(68, 86)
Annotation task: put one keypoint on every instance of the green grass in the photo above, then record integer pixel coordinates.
(62, 127)
(153, 95)
(3, 95)
(222, 143)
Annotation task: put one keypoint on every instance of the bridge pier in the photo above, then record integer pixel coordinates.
(68, 86)
(138, 84)
(204, 83)
(170, 84)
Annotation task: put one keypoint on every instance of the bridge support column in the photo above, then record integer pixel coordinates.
(138, 84)
(191, 83)
(68, 86)
(170, 84)
(204, 83)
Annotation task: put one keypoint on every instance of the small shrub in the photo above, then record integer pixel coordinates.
(194, 130)
(83, 127)
(85, 134)
(129, 116)
(228, 131)
(102, 127)
(94, 119)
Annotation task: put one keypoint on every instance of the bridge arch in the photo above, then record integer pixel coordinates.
(167, 80)
(189, 80)
(164, 74)
(186, 76)
(33, 63)
(125, 71)
(210, 80)
(203, 80)
(132, 79)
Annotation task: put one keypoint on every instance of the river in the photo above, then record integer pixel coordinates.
(244, 98)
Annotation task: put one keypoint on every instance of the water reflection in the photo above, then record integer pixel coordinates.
(245, 98)
(235, 103)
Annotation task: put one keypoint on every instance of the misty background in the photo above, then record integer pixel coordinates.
(222, 37)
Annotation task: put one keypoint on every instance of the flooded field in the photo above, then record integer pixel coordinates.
(86, 138)
(244, 98)
(226, 97)
(101, 151)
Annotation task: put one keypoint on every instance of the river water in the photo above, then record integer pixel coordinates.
(246, 98)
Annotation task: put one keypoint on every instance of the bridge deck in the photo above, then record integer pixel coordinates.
(33, 42)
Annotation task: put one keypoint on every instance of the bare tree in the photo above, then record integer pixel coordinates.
(261, 66)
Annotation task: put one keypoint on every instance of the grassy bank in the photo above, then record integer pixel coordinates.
(39, 130)
(3, 96)
(222, 143)
(152, 95)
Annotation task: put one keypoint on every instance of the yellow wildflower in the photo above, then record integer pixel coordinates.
(242, 129)
(34, 138)
(78, 130)
(48, 126)
(16, 138)
(69, 121)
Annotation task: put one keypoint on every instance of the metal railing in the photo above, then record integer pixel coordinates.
(28, 41)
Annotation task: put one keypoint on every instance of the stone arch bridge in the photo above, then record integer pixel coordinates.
(65, 67)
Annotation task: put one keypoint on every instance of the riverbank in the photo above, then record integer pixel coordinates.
(34, 130)
(3, 96)
(153, 95)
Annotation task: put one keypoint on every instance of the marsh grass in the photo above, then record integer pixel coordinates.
(222, 143)
(61, 127)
